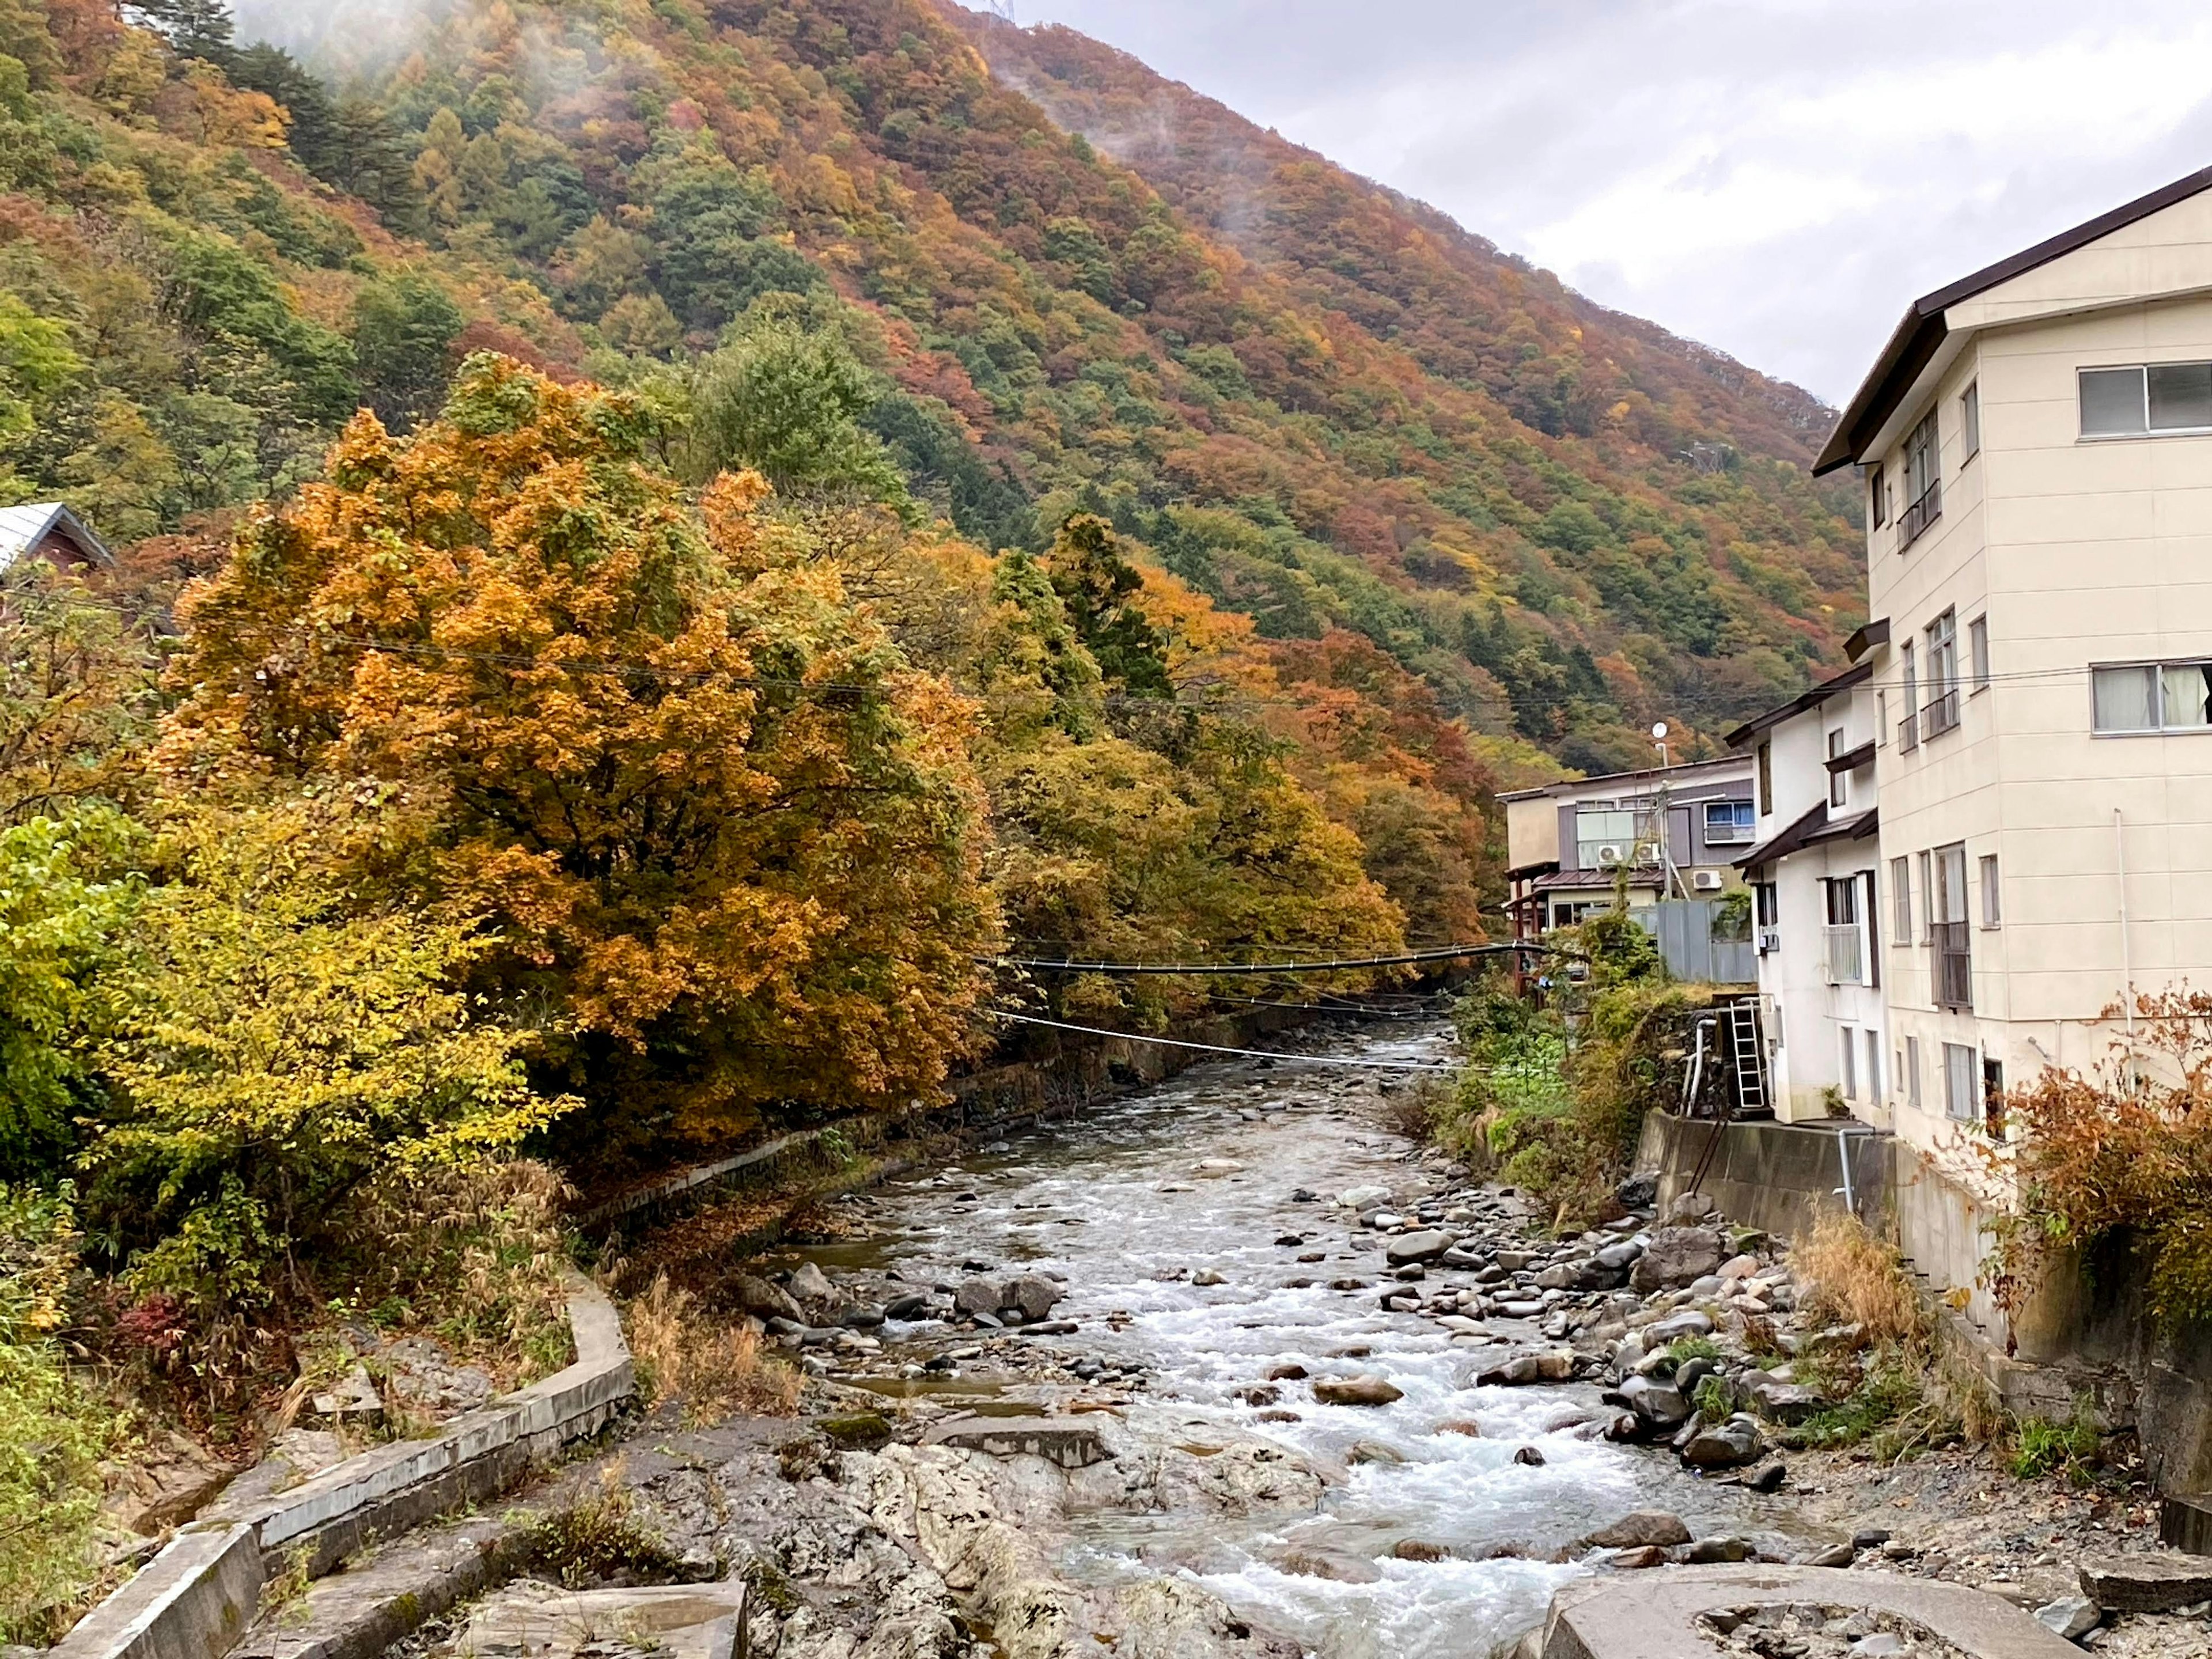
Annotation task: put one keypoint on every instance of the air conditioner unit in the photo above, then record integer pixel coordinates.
(1610, 853)
(1705, 881)
(1770, 939)
(1647, 852)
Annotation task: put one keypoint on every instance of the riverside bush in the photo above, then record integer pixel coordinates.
(56, 1428)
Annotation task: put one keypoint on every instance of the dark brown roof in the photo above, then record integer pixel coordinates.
(1920, 334)
(1815, 826)
(1797, 705)
(1868, 636)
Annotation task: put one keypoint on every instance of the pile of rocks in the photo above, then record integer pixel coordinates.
(1651, 1309)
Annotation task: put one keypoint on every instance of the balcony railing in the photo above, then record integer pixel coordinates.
(1955, 965)
(1846, 954)
(1917, 517)
(1908, 730)
(1939, 716)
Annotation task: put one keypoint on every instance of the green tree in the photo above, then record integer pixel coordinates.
(403, 336)
(1097, 584)
(786, 401)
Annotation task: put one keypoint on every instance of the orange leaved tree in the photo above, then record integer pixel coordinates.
(727, 838)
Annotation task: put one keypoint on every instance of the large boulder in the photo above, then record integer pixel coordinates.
(1675, 1257)
(1635, 1530)
(810, 1283)
(1032, 1293)
(2146, 1584)
(765, 1300)
(1409, 1248)
(1725, 1445)
(979, 1295)
(1356, 1391)
(1658, 1404)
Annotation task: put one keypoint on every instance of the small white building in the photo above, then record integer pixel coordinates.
(1817, 922)
(49, 530)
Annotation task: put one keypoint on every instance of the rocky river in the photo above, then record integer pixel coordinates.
(1217, 1315)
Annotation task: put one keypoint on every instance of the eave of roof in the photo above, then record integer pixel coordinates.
(1798, 704)
(1866, 637)
(1790, 839)
(1852, 759)
(1919, 335)
(1569, 785)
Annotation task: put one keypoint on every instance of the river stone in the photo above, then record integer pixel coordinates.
(1069, 1441)
(1205, 1278)
(1726, 1445)
(811, 1284)
(1716, 1552)
(1511, 1373)
(1356, 1391)
(914, 1304)
(1656, 1403)
(1789, 1403)
(1373, 1451)
(1690, 1322)
(1675, 1257)
(1217, 1166)
(1638, 1529)
(765, 1300)
(2070, 1616)
(1342, 1566)
(2146, 1584)
(1033, 1293)
(1613, 1257)
(979, 1296)
(1408, 1248)
(1362, 1198)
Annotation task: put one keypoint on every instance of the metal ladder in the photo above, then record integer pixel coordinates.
(1750, 1063)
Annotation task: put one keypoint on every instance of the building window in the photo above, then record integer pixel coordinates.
(1927, 900)
(1908, 729)
(1941, 712)
(1770, 904)
(1912, 1072)
(1977, 651)
(1851, 1042)
(1837, 781)
(1881, 717)
(2174, 697)
(1766, 777)
(1604, 838)
(1877, 498)
(1955, 967)
(1900, 901)
(1873, 1065)
(1992, 897)
(1923, 483)
(1970, 422)
(1729, 823)
(1993, 1106)
(2145, 399)
(1962, 1083)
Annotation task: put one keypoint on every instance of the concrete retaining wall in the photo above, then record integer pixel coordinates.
(2087, 1331)
(197, 1598)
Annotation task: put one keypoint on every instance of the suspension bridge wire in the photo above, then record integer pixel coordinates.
(1448, 953)
(1219, 1049)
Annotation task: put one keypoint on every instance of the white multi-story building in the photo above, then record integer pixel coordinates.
(1818, 919)
(2036, 440)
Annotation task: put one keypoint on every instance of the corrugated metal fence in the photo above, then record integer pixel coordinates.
(1685, 931)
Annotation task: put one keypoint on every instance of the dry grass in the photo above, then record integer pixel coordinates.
(598, 1535)
(713, 1364)
(1854, 1278)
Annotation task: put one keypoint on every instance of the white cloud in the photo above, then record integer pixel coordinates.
(1777, 177)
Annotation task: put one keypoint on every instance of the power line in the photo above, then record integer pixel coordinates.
(1217, 1048)
(1449, 953)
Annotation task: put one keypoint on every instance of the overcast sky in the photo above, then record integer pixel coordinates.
(1776, 178)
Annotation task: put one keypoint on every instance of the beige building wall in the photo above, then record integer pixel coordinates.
(2077, 551)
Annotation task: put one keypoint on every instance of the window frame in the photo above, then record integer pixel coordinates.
(1839, 793)
(1913, 1093)
(1940, 713)
(1908, 724)
(1924, 480)
(2158, 671)
(2142, 373)
(1970, 422)
(1878, 495)
(1765, 803)
(1900, 901)
(1962, 1064)
(1978, 652)
(1990, 879)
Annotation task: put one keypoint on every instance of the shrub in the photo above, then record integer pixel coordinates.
(1854, 1278)
(598, 1535)
(711, 1364)
(2119, 1159)
(54, 1429)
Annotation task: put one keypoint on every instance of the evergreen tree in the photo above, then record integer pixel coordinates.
(197, 29)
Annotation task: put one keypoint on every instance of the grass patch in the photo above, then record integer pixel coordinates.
(1683, 1349)
(2070, 1449)
(599, 1536)
(712, 1364)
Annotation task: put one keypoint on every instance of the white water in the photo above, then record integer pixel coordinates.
(1106, 1175)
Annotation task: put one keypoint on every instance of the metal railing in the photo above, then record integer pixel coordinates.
(1941, 714)
(1846, 952)
(1917, 517)
(1955, 965)
(1908, 730)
